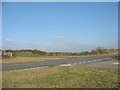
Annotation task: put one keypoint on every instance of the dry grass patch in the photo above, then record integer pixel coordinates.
(61, 77)
(21, 60)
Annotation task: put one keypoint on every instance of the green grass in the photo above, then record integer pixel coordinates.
(61, 77)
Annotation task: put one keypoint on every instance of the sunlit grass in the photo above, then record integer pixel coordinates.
(20, 60)
(61, 77)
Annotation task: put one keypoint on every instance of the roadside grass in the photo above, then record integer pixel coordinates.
(20, 60)
(58, 57)
(0, 78)
(0, 60)
(62, 56)
(61, 77)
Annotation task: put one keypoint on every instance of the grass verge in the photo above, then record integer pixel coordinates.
(61, 77)
(20, 60)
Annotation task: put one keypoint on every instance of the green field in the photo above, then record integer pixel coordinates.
(61, 77)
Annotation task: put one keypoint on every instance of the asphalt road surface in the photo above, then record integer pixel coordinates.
(60, 62)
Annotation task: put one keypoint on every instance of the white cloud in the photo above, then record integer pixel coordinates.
(61, 43)
(9, 43)
(8, 40)
(58, 43)
(69, 47)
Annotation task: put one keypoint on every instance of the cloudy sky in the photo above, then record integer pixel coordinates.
(64, 26)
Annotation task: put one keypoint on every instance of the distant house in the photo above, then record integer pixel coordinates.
(10, 54)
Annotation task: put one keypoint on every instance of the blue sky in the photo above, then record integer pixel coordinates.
(70, 27)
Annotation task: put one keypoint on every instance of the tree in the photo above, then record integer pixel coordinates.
(100, 50)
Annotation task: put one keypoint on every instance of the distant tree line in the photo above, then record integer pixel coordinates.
(29, 52)
(26, 53)
(98, 50)
(35, 52)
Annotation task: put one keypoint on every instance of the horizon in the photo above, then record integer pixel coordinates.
(60, 51)
(60, 27)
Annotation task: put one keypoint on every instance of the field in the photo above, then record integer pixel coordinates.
(61, 77)
(21, 60)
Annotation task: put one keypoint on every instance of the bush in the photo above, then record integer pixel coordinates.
(116, 57)
(5, 56)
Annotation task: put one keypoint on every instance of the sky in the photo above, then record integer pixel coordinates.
(66, 27)
(0, 26)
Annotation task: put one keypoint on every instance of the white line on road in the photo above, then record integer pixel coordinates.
(116, 63)
(65, 65)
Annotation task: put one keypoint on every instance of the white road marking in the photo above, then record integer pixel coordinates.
(116, 63)
(65, 65)
(84, 62)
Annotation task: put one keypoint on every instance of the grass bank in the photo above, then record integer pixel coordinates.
(21, 60)
(63, 56)
(61, 77)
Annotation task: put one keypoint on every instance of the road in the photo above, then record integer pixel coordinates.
(60, 62)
